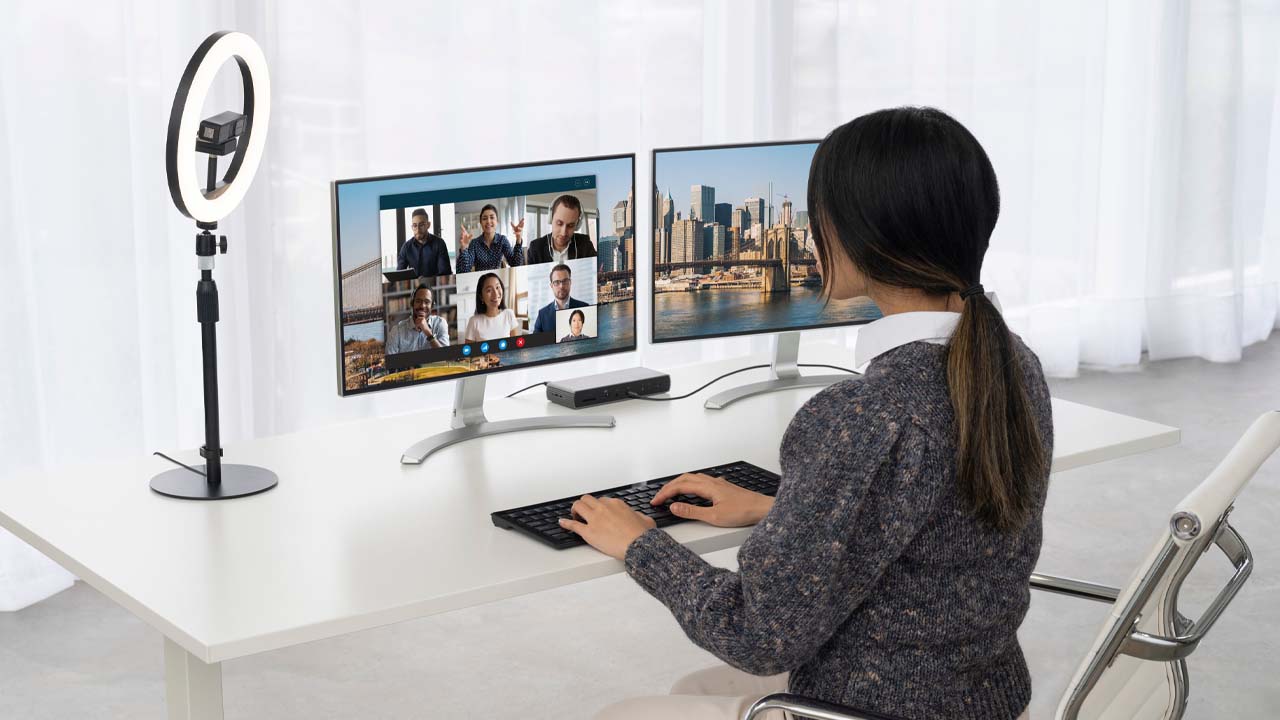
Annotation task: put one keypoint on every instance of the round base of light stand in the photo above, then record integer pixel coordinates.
(237, 481)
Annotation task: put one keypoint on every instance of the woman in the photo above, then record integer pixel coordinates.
(576, 320)
(492, 319)
(491, 248)
(891, 571)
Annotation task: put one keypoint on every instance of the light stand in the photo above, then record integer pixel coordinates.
(219, 135)
(785, 372)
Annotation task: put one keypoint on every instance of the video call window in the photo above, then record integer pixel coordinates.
(421, 314)
(573, 324)
(456, 277)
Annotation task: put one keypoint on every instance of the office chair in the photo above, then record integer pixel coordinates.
(1136, 668)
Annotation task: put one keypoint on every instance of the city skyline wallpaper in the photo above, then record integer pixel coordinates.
(732, 246)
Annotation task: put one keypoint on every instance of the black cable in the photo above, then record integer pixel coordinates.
(832, 367)
(634, 396)
(528, 388)
(176, 462)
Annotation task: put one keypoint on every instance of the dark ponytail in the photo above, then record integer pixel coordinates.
(910, 198)
(998, 445)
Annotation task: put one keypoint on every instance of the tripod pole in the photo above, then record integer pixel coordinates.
(207, 313)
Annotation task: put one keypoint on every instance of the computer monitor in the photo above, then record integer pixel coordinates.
(733, 254)
(456, 274)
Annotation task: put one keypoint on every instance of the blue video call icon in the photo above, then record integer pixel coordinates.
(502, 344)
(466, 350)
(484, 347)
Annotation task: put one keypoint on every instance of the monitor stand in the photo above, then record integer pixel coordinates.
(785, 375)
(469, 422)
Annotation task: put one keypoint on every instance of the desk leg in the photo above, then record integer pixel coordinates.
(193, 688)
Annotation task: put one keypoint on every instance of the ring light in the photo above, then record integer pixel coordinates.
(213, 204)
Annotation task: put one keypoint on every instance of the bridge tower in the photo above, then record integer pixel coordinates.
(777, 279)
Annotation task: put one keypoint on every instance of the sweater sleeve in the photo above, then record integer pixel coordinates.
(852, 498)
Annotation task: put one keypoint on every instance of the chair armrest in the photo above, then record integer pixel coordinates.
(816, 709)
(1074, 588)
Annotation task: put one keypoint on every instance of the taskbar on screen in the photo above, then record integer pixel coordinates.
(468, 350)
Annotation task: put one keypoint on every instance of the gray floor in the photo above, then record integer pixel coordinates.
(564, 653)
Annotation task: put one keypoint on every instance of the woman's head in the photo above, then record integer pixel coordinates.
(908, 197)
(488, 219)
(905, 201)
(490, 294)
(576, 320)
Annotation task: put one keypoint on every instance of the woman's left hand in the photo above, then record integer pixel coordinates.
(610, 524)
(518, 230)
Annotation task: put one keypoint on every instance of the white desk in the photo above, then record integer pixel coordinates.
(352, 540)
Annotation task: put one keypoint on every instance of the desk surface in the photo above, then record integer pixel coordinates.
(351, 539)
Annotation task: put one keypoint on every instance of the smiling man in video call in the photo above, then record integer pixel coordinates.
(561, 284)
(563, 242)
(421, 330)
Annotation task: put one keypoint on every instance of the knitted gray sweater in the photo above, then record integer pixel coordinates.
(869, 580)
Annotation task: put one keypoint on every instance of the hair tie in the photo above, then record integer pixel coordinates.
(974, 289)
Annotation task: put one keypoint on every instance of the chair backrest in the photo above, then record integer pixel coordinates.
(1136, 668)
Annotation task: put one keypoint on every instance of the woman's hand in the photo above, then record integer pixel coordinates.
(610, 524)
(518, 230)
(465, 239)
(731, 506)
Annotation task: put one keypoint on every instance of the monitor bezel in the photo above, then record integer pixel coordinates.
(653, 273)
(337, 274)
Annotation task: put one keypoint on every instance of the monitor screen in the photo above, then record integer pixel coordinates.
(448, 274)
(732, 247)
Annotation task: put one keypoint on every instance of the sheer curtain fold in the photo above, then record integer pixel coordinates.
(1135, 145)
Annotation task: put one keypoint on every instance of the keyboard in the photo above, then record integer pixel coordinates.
(540, 521)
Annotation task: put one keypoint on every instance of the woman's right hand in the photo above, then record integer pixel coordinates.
(465, 239)
(731, 506)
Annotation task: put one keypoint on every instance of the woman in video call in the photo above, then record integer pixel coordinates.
(576, 320)
(489, 250)
(891, 571)
(493, 319)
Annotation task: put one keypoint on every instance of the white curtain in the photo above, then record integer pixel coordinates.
(1134, 141)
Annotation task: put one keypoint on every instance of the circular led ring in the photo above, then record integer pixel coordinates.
(184, 122)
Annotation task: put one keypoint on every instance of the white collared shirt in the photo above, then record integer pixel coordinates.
(893, 331)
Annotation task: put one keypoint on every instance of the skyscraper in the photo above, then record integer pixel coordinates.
(715, 240)
(740, 219)
(702, 203)
(786, 212)
(724, 213)
(631, 208)
(755, 208)
(686, 240)
(620, 222)
(733, 243)
(605, 252)
(802, 219)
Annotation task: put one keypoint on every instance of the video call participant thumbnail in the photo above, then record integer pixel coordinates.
(577, 319)
(424, 252)
(493, 319)
(421, 330)
(563, 242)
(561, 279)
(489, 250)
